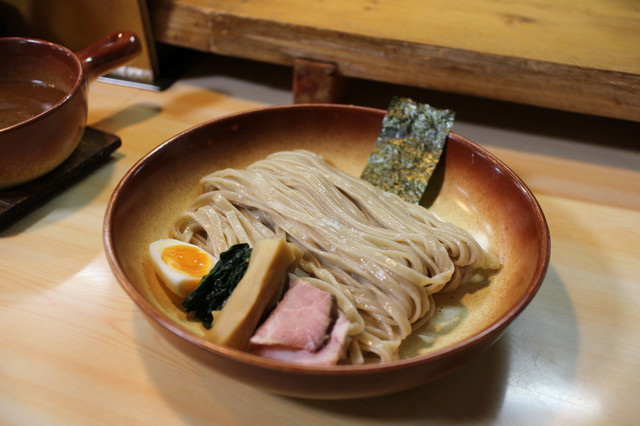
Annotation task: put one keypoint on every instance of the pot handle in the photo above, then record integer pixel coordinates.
(108, 53)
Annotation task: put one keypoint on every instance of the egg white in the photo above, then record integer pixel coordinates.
(181, 283)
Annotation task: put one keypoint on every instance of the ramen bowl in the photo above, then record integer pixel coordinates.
(43, 100)
(471, 188)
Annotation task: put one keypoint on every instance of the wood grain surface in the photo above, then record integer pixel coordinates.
(76, 350)
(575, 56)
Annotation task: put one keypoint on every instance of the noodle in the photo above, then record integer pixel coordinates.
(382, 257)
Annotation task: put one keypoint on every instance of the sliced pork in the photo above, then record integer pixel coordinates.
(330, 354)
(302, 320)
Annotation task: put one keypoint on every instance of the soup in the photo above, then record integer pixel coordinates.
(22, 100)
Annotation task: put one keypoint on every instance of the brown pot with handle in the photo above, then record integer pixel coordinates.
(43, 100)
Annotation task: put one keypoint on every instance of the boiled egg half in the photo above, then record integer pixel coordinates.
(180, 265)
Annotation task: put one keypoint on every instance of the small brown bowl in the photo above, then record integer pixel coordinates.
(474, 190)
(43, 100)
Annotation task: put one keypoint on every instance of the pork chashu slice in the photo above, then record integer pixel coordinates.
(302, 320)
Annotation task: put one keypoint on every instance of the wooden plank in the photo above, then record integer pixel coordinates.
(581, 57)
(316, 82)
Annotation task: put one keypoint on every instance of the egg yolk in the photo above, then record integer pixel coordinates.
(187, 260)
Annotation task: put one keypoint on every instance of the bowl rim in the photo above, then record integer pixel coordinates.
(496, 328)
(60, 52)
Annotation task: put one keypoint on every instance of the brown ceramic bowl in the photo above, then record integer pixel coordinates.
(474, 190)
(43, 100)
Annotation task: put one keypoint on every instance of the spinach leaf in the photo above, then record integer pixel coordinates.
(216, 287)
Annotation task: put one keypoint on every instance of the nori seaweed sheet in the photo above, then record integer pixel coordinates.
(408, 148)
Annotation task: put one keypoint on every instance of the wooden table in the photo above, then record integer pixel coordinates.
(575, 55)
(76, 350)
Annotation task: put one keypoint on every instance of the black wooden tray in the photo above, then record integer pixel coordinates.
(94, 149)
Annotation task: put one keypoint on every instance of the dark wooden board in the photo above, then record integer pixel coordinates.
(94, 149)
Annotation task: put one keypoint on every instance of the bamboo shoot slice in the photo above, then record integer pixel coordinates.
(268, 265)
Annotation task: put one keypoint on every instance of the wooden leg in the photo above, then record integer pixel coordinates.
(316, 82)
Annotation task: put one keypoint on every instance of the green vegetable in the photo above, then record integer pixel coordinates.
(408, 148)
(216, 287)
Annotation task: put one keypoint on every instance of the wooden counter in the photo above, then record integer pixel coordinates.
(581, 56)
(76, 350)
